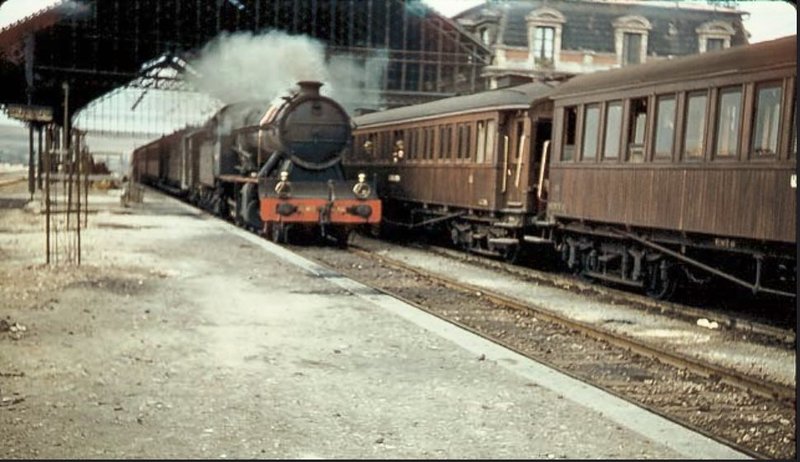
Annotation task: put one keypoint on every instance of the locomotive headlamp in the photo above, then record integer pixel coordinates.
(361, 189)
(284, 187)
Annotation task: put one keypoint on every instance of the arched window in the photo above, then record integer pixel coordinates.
(714, 35)
(630, 39)
(544, 37)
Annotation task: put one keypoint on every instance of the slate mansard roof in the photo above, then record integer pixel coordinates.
(590, 25)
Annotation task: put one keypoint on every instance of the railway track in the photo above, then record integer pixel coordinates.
(712, 400)
(781, 335)
(752, 384)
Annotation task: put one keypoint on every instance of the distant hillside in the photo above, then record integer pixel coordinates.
(13, 144)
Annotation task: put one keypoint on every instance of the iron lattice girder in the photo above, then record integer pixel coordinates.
(104, 46)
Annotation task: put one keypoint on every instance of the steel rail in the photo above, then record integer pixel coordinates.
(758, 386)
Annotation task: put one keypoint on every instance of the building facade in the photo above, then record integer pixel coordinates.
(554, 39)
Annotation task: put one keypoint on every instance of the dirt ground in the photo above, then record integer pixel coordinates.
(79, 345)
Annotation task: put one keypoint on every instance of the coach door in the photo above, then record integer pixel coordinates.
(514, 159)
(537, 173)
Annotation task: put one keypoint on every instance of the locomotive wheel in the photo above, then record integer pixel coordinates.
(660, 285)
(278, 233)
(342, 236)
(251, 217)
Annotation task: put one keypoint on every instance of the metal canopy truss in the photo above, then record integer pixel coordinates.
(104, 44)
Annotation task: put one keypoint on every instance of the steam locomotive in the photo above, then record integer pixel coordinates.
(279, 174)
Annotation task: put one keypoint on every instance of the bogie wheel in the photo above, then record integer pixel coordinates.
(585, 263)
(511, 253)
(662, 281)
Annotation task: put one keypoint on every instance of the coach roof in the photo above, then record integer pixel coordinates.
(764, 55)
(518, 97)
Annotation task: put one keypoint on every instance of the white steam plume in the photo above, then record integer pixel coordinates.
(246, 67)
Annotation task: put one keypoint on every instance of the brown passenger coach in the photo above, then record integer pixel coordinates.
(656, 175)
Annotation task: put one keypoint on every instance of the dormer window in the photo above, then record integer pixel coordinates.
(631, 48)
(544, 37)
(630, 39)
(484, 33)
(714, 35)
(543, 43)
(713, 44)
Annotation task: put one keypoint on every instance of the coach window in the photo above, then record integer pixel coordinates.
(665, 127)
(419, 153)
(461, 145)
(379, 149)
(637, 130)
(694, 138)
(480, 151)
(430, 143)
(444, 141)
(729, 115)
(793, 148)
(423, 143)
(570, 129)
(767, 119)
(468, 142)
(388, 142)
(613, 130)
(491, 132)
(591, 129)
(412, 143)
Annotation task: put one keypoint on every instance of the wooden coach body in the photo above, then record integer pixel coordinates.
(456, 150)
(462, 160)
(705, 144)
(681, 168)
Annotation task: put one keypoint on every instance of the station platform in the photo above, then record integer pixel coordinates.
(206, 341)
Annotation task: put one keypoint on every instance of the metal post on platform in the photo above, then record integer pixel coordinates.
(79, 156)
(39, 164)
(31, 166)
(47, 196)
(67, 161)
(85, 191)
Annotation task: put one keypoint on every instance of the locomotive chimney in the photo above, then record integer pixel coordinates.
(309, 87)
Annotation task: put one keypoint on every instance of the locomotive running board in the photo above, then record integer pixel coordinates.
(754, 287)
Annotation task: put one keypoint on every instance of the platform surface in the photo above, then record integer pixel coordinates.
(227, 346)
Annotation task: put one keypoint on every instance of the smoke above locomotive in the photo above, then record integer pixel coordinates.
(244, 66)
